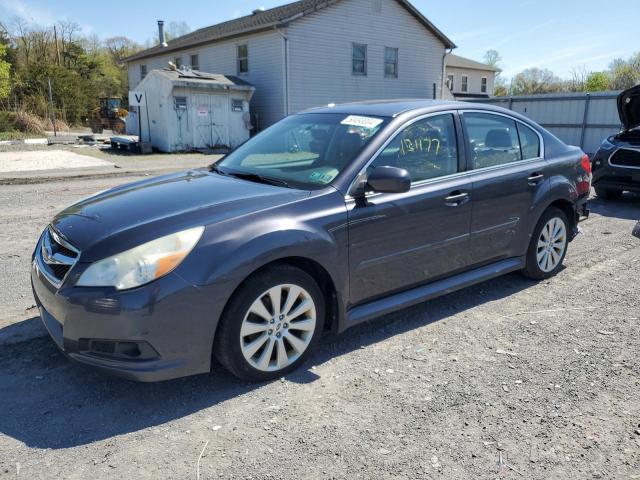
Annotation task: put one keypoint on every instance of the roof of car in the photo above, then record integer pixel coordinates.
(393, 108)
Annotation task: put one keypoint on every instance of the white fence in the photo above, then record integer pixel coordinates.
(583, 119)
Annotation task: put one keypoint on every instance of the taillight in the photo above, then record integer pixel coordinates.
(584, 181)
(586, 163)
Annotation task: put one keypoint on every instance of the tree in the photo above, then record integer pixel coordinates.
(120, 48)
(597, 82)
(173, 29)
(534, 81)
(625, 73)
(493, 58)
(4, 73)
(578, 80)
(500, 90)
(176, 29)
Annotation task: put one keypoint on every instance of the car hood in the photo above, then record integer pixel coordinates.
(126, 216)
(629, 108)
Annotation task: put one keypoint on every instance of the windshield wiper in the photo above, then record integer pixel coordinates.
(215, 168)
(254, 177)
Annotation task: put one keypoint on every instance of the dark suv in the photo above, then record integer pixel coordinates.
(616, 166)
(325, 220)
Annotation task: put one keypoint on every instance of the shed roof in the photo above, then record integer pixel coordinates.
(262, 20)
(461, 62)
(198, 79)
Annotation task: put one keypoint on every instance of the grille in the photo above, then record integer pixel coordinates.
(626, 158)
(56, 256)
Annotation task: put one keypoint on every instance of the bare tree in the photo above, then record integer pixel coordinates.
(68, 32)
(120, 47)
(535, 80)
(578, 80)
(22, 36)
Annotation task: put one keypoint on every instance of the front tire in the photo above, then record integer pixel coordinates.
(608, 193)
(271, 325)
(548, 245)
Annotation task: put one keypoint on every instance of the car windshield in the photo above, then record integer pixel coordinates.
(306, 151)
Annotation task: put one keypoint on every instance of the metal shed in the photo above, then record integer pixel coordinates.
(189, 109)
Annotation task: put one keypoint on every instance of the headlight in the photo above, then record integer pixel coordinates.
(141, 264)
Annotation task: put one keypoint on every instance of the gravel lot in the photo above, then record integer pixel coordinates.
(507, 379)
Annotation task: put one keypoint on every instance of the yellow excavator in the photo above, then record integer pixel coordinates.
(109, 115)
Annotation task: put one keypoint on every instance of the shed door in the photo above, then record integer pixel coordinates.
(211, 120)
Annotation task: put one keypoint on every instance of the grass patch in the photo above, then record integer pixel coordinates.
(14, 135)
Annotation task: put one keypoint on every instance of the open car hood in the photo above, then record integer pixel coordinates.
(629, 108)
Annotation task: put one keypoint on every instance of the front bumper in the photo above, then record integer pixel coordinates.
(607, 175)
(160, 331)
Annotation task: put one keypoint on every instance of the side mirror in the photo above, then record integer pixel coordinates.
(389, 180)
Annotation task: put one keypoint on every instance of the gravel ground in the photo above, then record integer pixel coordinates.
(507, 379)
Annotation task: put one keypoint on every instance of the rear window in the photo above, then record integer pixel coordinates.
(529, 141)
(493, 139)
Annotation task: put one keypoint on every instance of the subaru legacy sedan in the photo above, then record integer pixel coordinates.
(325, 220)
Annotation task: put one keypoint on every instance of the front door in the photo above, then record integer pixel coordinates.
(397, 241)
(508, 174)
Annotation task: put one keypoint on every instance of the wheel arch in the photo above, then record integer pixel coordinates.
(334, 310)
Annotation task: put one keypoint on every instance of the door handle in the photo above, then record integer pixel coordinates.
(455, 199)
(535, 178)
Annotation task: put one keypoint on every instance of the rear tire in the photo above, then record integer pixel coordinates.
(608, 193)
(271, 324)
(548, 245)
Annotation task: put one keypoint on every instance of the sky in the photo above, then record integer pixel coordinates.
(553, 34)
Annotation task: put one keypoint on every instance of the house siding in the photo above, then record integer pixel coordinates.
(475, 80)
(266, 71)
(320, 54)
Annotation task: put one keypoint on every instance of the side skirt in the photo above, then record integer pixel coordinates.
(423, 293)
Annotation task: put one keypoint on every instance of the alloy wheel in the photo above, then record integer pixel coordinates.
(551, 244)
(278, 327)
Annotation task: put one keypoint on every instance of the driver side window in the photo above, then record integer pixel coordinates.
(426, 149)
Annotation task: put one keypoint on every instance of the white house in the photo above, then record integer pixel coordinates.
(467, 78)
(314, 52)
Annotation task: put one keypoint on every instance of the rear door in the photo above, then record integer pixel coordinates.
(397, 241)
(508, 172)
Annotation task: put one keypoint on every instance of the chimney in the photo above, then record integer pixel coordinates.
(161, 39)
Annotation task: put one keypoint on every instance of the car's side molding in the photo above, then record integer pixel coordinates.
(423, 293)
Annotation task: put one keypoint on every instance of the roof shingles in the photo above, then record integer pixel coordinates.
(260, 20)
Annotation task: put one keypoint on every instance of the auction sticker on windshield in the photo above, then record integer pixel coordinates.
(358, 121)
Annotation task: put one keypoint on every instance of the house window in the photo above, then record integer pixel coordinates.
(483, 85)
(178, 62)
(195, 62)
(450, 81)
(391, 62)
(243, 59)
(465, 83)
(359, 59)
(143, 71)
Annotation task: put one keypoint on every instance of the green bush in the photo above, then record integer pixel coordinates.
(7, 122)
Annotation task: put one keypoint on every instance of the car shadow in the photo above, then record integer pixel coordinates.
(51, 402)
(626, 208)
